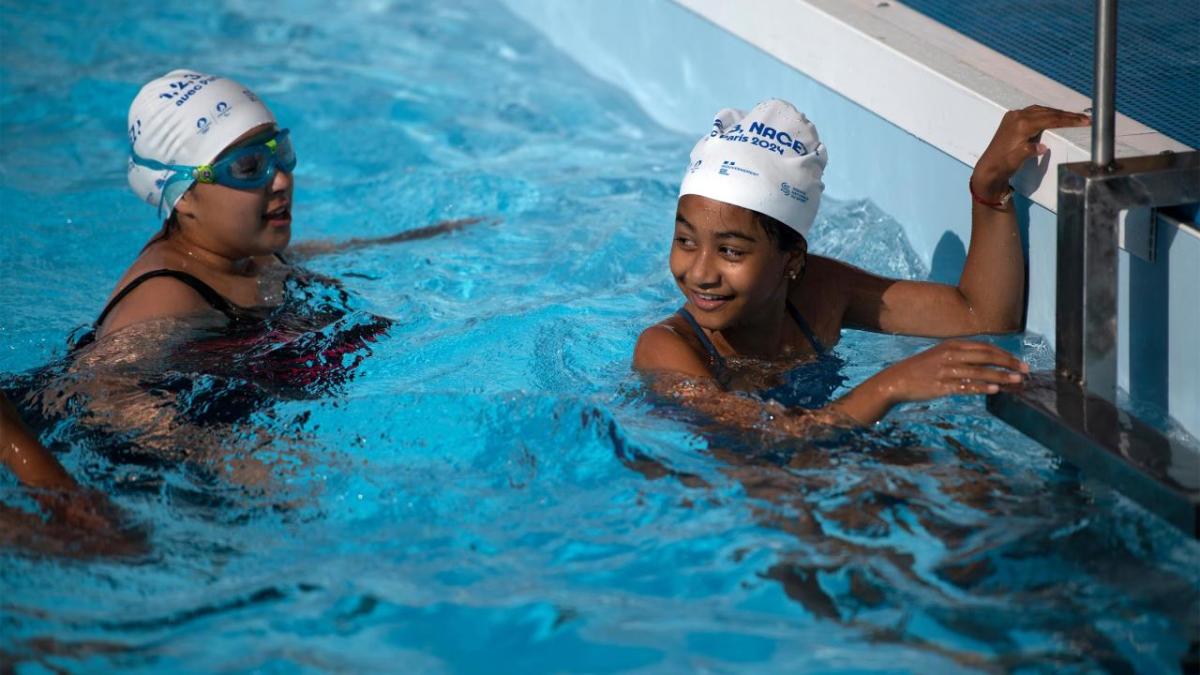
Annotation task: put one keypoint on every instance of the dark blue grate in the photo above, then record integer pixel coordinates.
(1158, 50)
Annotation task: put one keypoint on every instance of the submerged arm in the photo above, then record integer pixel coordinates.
(954, 367)
(677, 372)
(21, 452)
(316, 247)
(83, 521)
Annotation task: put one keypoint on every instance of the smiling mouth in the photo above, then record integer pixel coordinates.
(708, 301)
(281, 213)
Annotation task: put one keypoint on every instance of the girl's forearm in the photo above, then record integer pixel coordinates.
(867, 403)
(21, 452)
(993, 278)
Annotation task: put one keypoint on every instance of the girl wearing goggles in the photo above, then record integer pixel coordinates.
(246, 168)
(209, 155)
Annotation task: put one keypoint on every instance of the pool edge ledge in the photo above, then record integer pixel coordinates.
(934, 83)
(1108, 444)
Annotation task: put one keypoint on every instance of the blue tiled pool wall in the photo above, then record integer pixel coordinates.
(1158, 50)
(681, 69)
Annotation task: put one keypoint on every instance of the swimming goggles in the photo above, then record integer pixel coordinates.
(245, 168)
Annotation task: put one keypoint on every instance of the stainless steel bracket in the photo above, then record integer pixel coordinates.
(1072, 410)
(1137, 232)
(1089, 202)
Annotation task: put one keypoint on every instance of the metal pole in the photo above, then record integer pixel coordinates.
(1104, 85)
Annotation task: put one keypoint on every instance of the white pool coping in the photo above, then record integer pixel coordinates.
(929, 80)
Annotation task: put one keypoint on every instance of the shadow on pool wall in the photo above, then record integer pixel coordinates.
(681, 69)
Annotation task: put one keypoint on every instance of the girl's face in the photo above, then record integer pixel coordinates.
(238, 223)
(727, 267)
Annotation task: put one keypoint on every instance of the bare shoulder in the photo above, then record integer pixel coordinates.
(839, 280)
(668, 346)
(824, 294)
(155, 298)
(155, 256)
(833, 271)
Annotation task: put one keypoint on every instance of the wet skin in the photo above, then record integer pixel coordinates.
(226, 237)
(736, 282)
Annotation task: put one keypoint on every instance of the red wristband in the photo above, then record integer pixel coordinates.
(1004, 198)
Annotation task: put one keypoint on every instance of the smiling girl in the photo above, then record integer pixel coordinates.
(758, 308)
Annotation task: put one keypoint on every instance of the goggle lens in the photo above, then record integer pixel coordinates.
(253, 166)
(250, 167)
(285, 155)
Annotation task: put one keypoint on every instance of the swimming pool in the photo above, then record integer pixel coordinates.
(491, 489)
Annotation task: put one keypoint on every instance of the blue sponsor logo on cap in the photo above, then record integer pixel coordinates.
(730, 165)
(794, 192)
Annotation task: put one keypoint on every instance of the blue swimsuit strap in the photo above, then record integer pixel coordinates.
(719, 361)
(812, 337)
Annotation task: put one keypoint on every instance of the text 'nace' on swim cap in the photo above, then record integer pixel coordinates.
(768, 160)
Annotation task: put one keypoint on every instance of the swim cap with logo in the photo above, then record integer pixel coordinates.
(186, 118)
(769, 160)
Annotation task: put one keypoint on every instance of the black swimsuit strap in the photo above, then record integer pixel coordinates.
(210, 295)
(812, 337)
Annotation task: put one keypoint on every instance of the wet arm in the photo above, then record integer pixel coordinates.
(311, 249)
(21, 452)
(83, 521)
(987, 299)
(954, 367)
(991, 289)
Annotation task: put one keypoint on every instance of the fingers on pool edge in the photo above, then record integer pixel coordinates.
(982, 353)
(982, 373)
(970, 387)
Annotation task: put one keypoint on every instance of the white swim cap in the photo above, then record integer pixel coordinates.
(768, 160)
(186, 118)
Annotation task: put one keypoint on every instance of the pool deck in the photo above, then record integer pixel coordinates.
(1157, 60)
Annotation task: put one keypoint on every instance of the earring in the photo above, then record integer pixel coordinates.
(792, 275)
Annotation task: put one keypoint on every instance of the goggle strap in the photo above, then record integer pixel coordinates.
(155, 164)
(162, 197)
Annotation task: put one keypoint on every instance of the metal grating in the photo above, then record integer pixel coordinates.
(1158, 50)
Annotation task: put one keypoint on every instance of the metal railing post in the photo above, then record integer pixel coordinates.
(1104, 86)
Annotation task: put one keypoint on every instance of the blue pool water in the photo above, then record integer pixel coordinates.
(490, 488)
